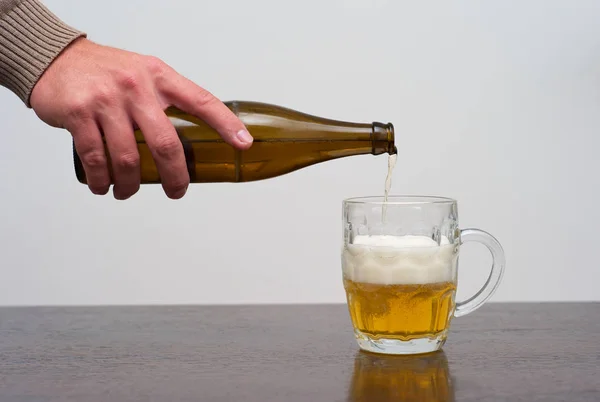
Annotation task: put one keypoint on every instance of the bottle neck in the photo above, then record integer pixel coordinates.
(383, 139)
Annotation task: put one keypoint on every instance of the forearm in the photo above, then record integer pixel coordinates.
(31, 37)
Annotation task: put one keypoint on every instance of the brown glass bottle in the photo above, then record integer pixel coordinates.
(284, 140)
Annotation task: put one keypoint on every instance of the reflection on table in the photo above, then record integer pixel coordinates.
(423, 378)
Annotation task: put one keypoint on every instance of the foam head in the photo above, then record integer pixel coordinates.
(395, 260)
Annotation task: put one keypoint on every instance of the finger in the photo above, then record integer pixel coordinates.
(124, 155)
(90, 149)
(189, 97)
(165, 146)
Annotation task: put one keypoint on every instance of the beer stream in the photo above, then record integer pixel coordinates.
(388, 183)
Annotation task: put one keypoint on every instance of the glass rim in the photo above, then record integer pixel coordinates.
(407, 200)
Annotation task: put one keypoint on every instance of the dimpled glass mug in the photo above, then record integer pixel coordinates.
(399, 265)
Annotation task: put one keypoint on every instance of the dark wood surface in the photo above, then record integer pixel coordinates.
(502, 352)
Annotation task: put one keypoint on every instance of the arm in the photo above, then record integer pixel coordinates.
(93, 91)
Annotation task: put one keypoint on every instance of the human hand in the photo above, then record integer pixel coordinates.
(92, 89)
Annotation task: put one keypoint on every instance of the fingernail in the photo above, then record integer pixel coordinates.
(244, 136)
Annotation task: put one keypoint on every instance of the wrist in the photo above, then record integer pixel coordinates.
(31, 38)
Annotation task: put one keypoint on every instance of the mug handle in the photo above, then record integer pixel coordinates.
(490, 286)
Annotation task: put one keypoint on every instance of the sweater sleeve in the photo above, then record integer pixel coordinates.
(31, 37)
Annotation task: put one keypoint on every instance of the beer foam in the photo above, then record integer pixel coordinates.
(395, 260)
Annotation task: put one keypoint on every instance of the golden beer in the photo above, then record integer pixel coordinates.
(400, 288)
(403, 312)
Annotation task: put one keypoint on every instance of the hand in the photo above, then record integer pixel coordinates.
(92, 89)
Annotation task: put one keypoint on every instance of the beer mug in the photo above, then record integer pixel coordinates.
(399, 266)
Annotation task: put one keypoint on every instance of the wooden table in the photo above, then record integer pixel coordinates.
(502, 352)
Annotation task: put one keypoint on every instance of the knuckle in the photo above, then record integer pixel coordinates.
(128, 161)
(104, 97)
(128, 80)
(84, 107)
(155, 65)
(204, 98)
(94, 159)
(78, 109)
(167, 147)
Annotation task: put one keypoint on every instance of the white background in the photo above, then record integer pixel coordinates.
(496, 104)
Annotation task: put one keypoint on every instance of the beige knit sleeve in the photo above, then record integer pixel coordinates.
(30, 39)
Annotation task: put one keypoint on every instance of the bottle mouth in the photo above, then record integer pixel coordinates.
(393, 150)
(384, 139)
